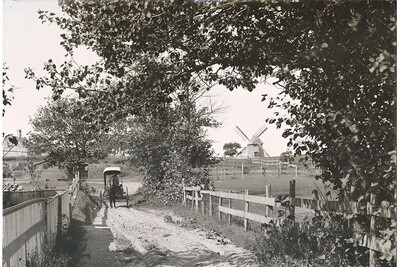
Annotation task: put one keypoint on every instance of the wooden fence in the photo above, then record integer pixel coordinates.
(12, 198)
(29, 225)
(198, 199)
(240, 169)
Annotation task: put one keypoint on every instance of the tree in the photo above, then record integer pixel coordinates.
(64, 137)
(117, 138)
(170, 147)
(231, 149)
(341, 90)
(287, 156)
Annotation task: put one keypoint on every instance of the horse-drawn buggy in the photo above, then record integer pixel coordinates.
(113, 186)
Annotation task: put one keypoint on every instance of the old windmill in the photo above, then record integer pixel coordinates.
(254, 148)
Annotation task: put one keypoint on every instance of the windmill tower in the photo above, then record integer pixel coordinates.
(254, 148)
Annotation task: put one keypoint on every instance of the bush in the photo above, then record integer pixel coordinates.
(171, 191)
(328, 242)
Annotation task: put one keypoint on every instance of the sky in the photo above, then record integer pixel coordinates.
(29, 43)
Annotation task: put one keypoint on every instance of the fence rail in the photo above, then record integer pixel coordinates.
(28, 225)
(198, 197)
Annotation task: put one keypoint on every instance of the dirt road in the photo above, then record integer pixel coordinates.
(146, 238)
(166, 244)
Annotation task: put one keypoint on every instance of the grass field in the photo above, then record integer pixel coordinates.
(256, 183)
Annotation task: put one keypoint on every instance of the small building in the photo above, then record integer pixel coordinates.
(15, 157)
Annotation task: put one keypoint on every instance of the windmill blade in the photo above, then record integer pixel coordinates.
(242, 153)
(261, 130)
(265, 153)
(241, 134)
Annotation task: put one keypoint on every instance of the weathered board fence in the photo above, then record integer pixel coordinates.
(13, 198)
(199, 198)
(29, 225)
(240, 168)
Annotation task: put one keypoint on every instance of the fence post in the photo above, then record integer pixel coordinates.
(280, 169)
(219, 205)
(292, 195)
(192, 200)
(196, 200)
(203, 211)
(372, 253)
(184, 195)
(269, 209)
(246, 210)
(242, 171)
(59, 215)
(210, 209)
(230, 206)
(316, 197)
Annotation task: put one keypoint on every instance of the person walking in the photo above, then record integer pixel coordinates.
(113, 183)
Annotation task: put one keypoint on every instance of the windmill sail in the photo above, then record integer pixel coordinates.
(265, 153)
(241, 134)
(254, 148)
(261, 131)
(243, 153)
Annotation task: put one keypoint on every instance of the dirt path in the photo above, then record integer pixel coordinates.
(166, 244)
(133, 237)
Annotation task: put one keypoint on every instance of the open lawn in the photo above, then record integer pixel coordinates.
(305, 184)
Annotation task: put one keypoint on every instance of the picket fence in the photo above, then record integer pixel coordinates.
(28, 226)
(198, 197)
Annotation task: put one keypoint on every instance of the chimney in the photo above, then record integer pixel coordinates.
(19, 133)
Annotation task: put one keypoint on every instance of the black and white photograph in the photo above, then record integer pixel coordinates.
(144, 133)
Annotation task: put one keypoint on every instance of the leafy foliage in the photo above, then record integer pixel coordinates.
(171, 148)
(334, 60)
(7, 89)
(231, 149)
(288, 244)
(61, 132)
(287, 156)
(341, 107)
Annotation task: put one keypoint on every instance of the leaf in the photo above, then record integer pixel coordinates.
(13, 140)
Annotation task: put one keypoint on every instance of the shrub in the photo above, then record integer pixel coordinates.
(327, 241)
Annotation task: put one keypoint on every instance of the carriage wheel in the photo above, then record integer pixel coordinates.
(127, 198)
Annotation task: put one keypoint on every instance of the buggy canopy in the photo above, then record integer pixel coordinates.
(111, 170)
